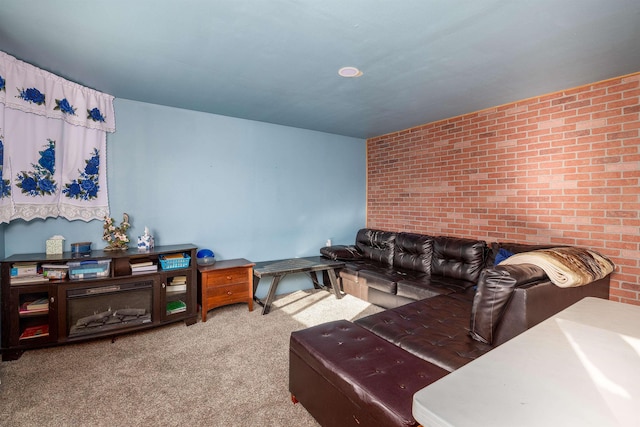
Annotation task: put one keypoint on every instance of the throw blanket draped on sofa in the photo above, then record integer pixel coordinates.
(566, 266)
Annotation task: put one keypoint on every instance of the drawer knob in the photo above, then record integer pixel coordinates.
(229, 293)
(228, 277)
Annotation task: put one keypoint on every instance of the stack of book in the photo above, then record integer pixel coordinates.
(143, 267)
(35, 332)
(176, 307)
(177, 284)
(26, 272)
(31, 308)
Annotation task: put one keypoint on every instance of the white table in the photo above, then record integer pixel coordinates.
(579, 368)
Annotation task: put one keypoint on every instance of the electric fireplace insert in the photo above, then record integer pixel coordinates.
(95, 310)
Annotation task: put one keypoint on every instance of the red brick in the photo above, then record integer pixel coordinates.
(560, 168)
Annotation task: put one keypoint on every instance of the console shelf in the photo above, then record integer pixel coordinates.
(105, 298)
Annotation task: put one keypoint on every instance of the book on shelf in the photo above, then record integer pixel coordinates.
(140, 263)
(35, 332)
(174, 256)
(24, 269)
(176, 307)
(137, 268)
(38, 306)
(177, 284)
(56, 266)
(34, 278)
(176, 288)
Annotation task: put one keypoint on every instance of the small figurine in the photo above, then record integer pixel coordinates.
(145, 242)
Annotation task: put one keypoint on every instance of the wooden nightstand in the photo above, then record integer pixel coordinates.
(225, 282)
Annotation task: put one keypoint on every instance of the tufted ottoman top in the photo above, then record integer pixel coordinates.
(366, 368)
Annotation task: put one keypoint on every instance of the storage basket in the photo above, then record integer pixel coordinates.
(174, 263)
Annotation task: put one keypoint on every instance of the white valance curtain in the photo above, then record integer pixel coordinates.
(52, 145)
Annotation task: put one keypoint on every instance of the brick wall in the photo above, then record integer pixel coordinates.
(562, 168)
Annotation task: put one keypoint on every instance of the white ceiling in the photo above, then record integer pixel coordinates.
(277, 60)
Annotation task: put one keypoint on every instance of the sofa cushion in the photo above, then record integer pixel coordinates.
(385, 299)
(434, 329)
(419, 288)
(381, 280)
(413, 252)
(376, 245)
(458, 258)
(377, 376)
(427, 286)
(362, 264)
(351, 269)
(450, 284)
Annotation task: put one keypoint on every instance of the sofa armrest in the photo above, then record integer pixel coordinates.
(495, 287)
(534, 303)
(341, 252)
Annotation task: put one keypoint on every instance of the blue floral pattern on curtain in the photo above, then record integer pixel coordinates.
(87, 185)
(51, 155)
(5, 186)
(39, 180)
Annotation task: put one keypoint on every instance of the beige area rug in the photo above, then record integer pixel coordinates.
(230, 371)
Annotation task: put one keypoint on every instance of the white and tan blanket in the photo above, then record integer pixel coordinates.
(566, 266)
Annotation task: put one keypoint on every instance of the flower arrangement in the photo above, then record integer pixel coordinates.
(116, 237)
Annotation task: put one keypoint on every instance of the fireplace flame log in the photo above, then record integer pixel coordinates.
(130, 312)
(99, 317)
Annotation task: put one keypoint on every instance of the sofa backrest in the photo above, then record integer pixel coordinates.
(414, 252)
(376, 245)
(458, 258)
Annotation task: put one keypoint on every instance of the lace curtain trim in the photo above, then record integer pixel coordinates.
(32, 90)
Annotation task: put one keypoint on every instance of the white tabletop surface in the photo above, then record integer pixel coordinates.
(578, 368)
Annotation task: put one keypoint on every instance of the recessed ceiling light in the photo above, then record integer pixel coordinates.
(349, 72)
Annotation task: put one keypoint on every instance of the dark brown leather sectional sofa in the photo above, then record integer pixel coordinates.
(447, 304)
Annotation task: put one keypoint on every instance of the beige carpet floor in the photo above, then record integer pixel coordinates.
(229, 371)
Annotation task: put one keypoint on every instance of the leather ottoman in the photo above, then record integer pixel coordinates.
(345, 375)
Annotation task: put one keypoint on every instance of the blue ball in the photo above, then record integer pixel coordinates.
(203, 253)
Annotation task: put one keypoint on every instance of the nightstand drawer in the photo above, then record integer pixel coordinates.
(227, 294)
(226, 277)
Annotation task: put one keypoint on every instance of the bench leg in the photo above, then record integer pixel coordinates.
(271, 295)
(334, 283)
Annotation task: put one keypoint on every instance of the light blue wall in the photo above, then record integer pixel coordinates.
(242, 188)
